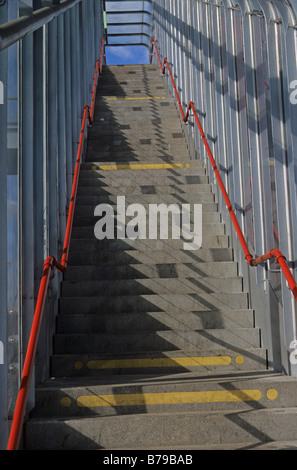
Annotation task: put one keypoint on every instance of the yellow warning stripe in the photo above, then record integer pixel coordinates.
(130, 66)
(169, 398)
(159, 362)
(141, 166)
(115, 98)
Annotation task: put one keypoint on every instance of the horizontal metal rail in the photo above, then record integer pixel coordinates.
(274, 253)
(49, 264)
(15, 30)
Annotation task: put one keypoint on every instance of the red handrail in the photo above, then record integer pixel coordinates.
(49, 264)
(64, 260)
(274, 253)
(19, 412)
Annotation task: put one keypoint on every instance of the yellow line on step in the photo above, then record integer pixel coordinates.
(169, 398)
(130, 66)
(115, 98)
(141, 166)
(159, 362)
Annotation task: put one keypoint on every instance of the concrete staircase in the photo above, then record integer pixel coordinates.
(155, 346)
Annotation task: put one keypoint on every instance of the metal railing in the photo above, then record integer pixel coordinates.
(273, 253)
(17, 29)
(49, 264)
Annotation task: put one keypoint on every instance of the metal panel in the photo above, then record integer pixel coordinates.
(51, 70)
(3, 243)
(239, 69)
(128, 23)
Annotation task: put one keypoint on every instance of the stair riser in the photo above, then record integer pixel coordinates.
(154, 321)
(151, 155)
(154, 302)
(156, 341)
(134, 179)
(199, 198)
(149, 286)
(141, 117)
(133, 133)
(118, 190)
(140, 177)
(108, 124)
(157, 105)
(89, 246)
(84, 217)
(88, 232)
(130, 255)
(147, 145)
(175, 168)
(141, 271)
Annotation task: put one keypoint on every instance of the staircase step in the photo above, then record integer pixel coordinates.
(151, 155)
(129, 168)
(192, 286)
(78, 398)
(204, 427)
(84, 218)
(201, 362)
(94, 245)
(158, 127)
(83, 202)
(140, 321)
(156, 101)
(83, 232)
(174, 167)
(122, 143)
(141, 271)
(130, 255)
(156, 341)
(133, 132)
(140, 177)
(155, 302)
(140, 113)
(202, 191)
(136, 179)
(207, 199)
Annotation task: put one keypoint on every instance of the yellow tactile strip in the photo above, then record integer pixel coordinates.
(194, 361)
(168, 398)
(130, 98)
(141, 166)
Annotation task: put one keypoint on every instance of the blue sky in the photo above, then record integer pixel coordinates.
(126, 55)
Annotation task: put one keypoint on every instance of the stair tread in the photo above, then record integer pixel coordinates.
(84, 431)
(188, 379)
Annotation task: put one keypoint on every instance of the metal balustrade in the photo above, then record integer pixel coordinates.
(237, 63)
(48, 54)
